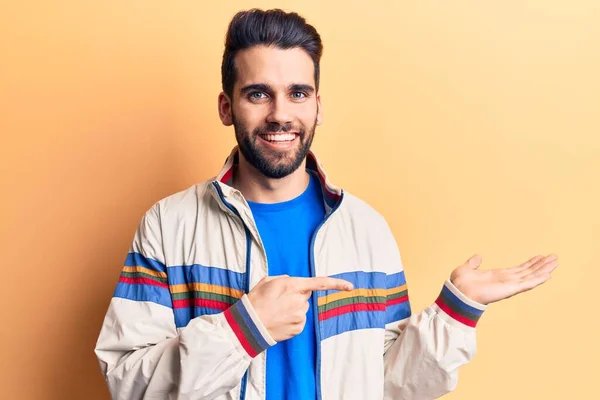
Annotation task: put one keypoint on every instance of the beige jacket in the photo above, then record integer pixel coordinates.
(180, 325)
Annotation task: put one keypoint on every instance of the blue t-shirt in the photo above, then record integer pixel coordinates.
(286, 229)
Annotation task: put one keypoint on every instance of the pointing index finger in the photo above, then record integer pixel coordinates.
(322, 283)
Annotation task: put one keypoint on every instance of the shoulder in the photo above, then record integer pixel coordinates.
(365, 230)
(359, 210)
(181, 204)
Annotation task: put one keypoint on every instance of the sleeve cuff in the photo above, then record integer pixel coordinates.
(459, 307)
(248, 328)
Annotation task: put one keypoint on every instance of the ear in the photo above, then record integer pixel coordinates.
(319, 110)
(225, 106)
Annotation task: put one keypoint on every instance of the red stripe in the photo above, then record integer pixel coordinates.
(217, 305)
(396, 301)
(182, 303)
(240, 335)
(351, 308)
(448, 310)
(142, 281)
(227, 175)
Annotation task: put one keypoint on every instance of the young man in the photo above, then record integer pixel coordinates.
(270, 282)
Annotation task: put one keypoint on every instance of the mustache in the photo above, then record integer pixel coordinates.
(274, 127)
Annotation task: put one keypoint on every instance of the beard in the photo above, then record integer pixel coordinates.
(272, 163)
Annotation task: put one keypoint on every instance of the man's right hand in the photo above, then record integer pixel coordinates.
(281, 302)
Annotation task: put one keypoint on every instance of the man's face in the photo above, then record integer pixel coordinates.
(275, 108)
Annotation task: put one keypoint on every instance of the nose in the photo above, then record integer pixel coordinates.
(280, 111)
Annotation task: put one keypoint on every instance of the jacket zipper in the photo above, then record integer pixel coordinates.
(315, 300)
(248, 256)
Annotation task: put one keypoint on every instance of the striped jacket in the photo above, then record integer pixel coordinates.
(180, 325)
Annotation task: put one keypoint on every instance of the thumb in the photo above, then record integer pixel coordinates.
(474, 262)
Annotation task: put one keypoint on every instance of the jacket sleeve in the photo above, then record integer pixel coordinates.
(143, 355)
(423, 352)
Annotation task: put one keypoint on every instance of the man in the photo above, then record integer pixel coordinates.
(270, 282)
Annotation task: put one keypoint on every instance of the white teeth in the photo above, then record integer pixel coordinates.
(284, 137)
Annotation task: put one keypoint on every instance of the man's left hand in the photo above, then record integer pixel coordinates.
(494, 285)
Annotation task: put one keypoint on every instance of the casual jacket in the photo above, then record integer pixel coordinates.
(180, 325)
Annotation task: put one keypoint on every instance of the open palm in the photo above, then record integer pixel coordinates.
(488, 286)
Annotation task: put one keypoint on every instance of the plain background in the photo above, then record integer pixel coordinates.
(472, 126)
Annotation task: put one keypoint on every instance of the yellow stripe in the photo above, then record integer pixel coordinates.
(203, 287)
(352, 293)
(396, 290)
(145, 271)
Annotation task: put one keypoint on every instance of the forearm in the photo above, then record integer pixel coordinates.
(423, 361)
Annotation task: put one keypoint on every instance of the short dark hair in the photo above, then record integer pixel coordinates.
(270, 28)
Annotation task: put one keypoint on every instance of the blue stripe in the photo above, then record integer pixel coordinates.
(352, 321)
(250, 324)
(458, 303)
(210, 275)
(360, 279)
(140, 292)
(395, 280)
(136, 259)
(397, 312)
(183, 316)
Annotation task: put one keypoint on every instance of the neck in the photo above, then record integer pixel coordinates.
(261, 189)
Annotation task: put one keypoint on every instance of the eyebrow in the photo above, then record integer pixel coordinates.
(301, 88)
(259, 87)
(263, 87)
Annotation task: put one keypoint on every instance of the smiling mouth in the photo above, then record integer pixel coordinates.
(279, 137)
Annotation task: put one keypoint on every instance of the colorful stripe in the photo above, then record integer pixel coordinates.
(340, 296)
(137, 259)
(143, 279)
(141, 275)
(245, 329)
(397, 302)
(205, 291)
(203, 295)
(351, 322)
(366, 297)
(359, 304)
(377, 299)
(201, 290)
(456, 308)
(206, 274)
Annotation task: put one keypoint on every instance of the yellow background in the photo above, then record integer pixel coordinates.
(471, 125)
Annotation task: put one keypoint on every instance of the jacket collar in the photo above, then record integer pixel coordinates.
(332, 195)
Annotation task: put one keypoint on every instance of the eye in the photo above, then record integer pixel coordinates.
(298, 95)
(257, 96)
